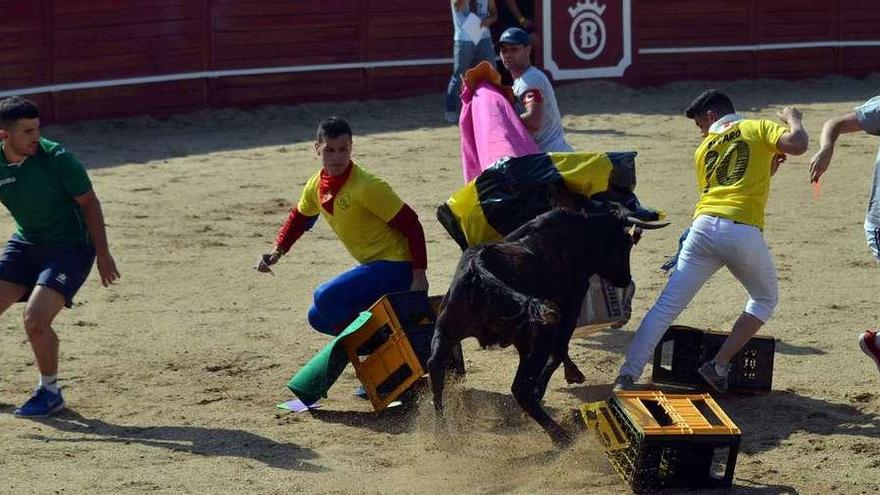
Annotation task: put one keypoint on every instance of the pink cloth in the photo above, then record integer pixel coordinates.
(490, 129)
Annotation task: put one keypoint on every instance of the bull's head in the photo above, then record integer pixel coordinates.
(622, 205)
(613, 224)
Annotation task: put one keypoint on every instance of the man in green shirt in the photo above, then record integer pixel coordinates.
(59, 232)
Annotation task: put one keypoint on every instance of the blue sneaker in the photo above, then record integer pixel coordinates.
(42, 404)
(361, 392)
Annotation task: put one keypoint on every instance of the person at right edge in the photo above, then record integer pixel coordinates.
(865, 117)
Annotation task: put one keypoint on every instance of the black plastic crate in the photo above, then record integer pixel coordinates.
(417, 315)
(656, 461)
(683, 349)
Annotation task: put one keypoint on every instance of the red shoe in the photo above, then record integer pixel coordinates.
(870, 346)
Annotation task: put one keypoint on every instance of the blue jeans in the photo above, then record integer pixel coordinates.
(339, 301)
(466, 55)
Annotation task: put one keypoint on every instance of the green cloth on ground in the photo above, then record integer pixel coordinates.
(315, 378)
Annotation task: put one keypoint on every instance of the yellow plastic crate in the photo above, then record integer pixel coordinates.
(688, 414)
(656, 440)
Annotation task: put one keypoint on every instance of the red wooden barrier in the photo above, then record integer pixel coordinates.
(84, 59)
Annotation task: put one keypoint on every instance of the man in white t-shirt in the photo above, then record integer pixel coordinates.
(467, 53)
(533, 91)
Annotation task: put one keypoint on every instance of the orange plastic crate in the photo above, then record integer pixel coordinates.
(383, 359)
(688, 414)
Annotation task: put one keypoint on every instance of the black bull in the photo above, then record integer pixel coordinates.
(526, 291)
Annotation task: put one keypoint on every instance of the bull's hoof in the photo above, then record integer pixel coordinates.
(574, 375)
(440, 425)
(562, 439)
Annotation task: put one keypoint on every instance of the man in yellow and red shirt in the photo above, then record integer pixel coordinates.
(379, 230)
(733, 165)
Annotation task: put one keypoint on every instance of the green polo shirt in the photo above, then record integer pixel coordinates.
(40, 192)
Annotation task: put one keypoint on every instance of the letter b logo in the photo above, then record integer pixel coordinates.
(588, 31)
(587, 36)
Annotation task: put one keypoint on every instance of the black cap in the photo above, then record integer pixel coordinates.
(514, 36)
(707, 100)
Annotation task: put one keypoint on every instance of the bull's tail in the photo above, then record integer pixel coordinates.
(446, 335)
(528, 310)
(441, 352)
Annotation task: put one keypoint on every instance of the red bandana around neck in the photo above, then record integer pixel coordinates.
(329, 186)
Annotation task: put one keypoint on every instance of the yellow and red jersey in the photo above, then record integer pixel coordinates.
(360, 212)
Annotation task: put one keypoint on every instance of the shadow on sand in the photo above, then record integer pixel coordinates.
(229, 129)
(153, 139)
(784, 413)
(210, 442)
(617, 340)
(465, 409)
(393, 420)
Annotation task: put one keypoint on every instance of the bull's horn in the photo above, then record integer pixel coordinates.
(646, 225)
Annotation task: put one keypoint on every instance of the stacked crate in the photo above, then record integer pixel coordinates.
(683, 349)
(657, 441)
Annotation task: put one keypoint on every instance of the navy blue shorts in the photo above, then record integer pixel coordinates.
(62, 268)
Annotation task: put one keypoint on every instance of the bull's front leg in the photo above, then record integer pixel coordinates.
(572, 372)
(525, 391)
(544, 377)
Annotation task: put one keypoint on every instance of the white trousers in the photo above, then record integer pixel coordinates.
(712, 243)
(872, 233)
(872, 216)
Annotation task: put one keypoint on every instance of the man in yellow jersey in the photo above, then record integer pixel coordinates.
(379, 230)
(733, 166)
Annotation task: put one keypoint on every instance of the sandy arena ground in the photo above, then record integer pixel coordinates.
(172, 375)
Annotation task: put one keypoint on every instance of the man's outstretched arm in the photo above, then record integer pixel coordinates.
(833, 128)
(293, 228)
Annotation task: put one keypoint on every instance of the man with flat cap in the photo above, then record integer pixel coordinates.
(533, 91)
(733, 167)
